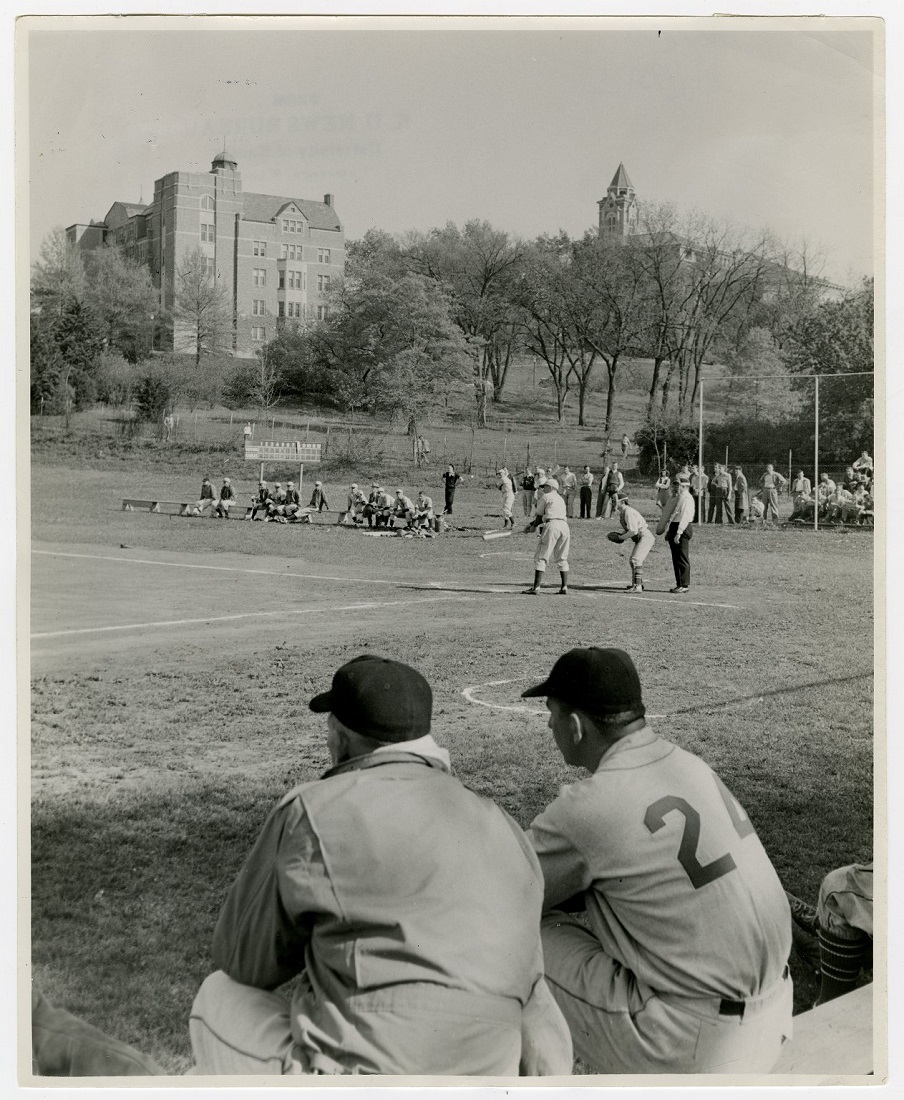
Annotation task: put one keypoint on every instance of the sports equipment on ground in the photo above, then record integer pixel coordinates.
(496, 535)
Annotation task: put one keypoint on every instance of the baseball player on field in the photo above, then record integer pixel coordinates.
(634, 527)
(555, 537)
(680, 965)
(506, 485)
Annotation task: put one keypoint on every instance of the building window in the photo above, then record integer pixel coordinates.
(282, 280)
(294, 252)
(294, 280)
(323, 255)
(280, 309)
(293, 309)
(292, 225)
(258, 307)
(206, 202)
(207, 232)
(260, 248)
(257, 334)
(323, 283)
(259, 276)
(323, 313)
(209, 268)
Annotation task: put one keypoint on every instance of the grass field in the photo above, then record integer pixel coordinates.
(158, 750)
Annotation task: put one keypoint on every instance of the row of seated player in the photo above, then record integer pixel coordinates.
(380, 508)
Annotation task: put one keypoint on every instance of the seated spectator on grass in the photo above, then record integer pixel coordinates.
(318, 498)
(405, 908)
(403, 508)
(261, 502)
(276, 505)
(824, 492)
(292, 505)
(756, 509)
(852, 511)
(205, 499)
(227, 496)
(803, 509)
(423, 511)
(850, 478)
(354, 506)
(383, 507)
(800, 489)
(836, 504)
(864, 463)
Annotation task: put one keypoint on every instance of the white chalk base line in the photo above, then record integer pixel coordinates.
(517, 708)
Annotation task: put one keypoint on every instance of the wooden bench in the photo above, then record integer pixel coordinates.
(129, 504)
(835, 1039)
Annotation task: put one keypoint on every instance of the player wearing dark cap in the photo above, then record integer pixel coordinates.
(407, 906)
(681, 965)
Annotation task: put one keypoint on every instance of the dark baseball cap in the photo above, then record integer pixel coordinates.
(598, 681)
(379, 698)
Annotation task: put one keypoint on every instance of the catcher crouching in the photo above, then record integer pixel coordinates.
(634, 527)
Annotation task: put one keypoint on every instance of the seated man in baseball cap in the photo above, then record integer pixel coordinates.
(406, 906)
(681, 965)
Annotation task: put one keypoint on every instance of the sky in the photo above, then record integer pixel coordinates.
(413, 126)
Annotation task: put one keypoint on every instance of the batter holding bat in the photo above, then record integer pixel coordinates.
(634, 527)
(555, 538)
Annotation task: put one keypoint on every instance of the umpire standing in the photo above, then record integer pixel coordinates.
(676, 520)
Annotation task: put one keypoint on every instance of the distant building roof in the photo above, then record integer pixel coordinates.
(620, 179)
(224, 160)
(133, 208)
(264, 208)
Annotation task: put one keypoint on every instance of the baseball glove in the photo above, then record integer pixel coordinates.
(615, 536)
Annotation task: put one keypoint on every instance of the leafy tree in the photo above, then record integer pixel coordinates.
(758, 379)
(608, 307)
(479, 267)
(116, 378)
(390, 344)
(837, 339)
(662, 442)
(304, 376)
(543, 298)
(47, 368)
(202, 313)
(57, 276)
(123, 298)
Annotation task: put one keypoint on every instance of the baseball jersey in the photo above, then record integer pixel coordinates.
(677, 885)
(207, 491)
(551, 506)
(633, 522)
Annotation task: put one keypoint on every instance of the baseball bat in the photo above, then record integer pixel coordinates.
(496, 535)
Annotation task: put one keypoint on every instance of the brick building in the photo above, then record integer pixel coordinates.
(275, 256)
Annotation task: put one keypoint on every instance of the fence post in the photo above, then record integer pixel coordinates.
(555, 453)
(528, 455)
(700, 511)
(326, 444)
(471, 455)
(789, 464)
(816, 458)
(504, 446)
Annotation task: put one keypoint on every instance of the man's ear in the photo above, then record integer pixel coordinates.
(577, 729)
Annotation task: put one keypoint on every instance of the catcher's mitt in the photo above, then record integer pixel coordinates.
(615, 536)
